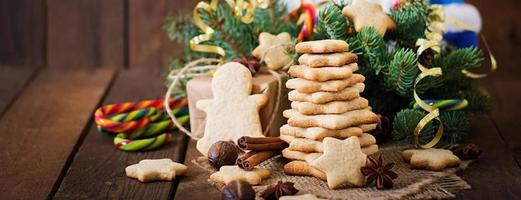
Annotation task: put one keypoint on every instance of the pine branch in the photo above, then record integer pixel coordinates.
(401, 72)
(331, 24)
(456, 60)
(227, 38)
(455, 125)
(405, 122)
(373, 48)
(410, 21)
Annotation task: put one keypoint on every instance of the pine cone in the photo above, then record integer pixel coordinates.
(466, 151)
(427, 57)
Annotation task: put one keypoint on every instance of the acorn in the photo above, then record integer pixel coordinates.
(222, 153)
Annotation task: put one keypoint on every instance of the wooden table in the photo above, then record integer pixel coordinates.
(51, 148)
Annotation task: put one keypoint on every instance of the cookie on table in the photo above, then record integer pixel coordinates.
(227, 174)
(155, 170)
(322, 46)
(431, 159)
(301, 197)
(348, 93)
(327, 60)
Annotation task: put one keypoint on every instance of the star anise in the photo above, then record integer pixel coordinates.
(378, 173)
(466, 151)
(275, 191)
(252, 63)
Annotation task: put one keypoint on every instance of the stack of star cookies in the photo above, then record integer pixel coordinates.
(326, 102)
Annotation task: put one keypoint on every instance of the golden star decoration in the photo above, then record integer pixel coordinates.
(341, 161)
(274, 47)
(367, 14)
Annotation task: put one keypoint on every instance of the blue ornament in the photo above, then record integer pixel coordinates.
(457, 10)
(444, 2)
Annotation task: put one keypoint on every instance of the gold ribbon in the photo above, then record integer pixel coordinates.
(244, 11)
(195, 43)
(432, 40)
(434, 113)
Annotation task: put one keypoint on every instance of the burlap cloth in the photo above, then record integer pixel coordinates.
(411, 184)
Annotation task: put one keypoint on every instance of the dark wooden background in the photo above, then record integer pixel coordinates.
(61, 59)
(87, 33)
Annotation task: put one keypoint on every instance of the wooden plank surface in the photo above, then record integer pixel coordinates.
(195, 185)
(85, 33)
(505, 108)
(22, 32)
(12, 82)
(97, 171)
(149, 45)
(502, 28)
(41, 128)
(495, 175)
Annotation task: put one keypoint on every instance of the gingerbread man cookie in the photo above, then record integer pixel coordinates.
(233, 112)
(368, 14)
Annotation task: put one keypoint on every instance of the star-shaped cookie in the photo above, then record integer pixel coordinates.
(301, 197)
(431, 159)
(341, 161)
(276, 57)
(227, 174)
(155, 169)
(368, 14)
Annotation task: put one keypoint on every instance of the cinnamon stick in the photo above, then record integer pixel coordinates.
(261, 143)
(257, 158)
(243, 157)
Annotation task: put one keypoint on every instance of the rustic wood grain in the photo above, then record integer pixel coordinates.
(195, 185)
(149, 45)
(495, 175)
(41, 128)
(85, 33)
(98, 169)
(22, 32)
(502, 28)
(505, 108)
(12, 82)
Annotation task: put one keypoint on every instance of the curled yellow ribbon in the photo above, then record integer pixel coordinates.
(432, 40)
(244, 11)
(195, 43)
(434, 113)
